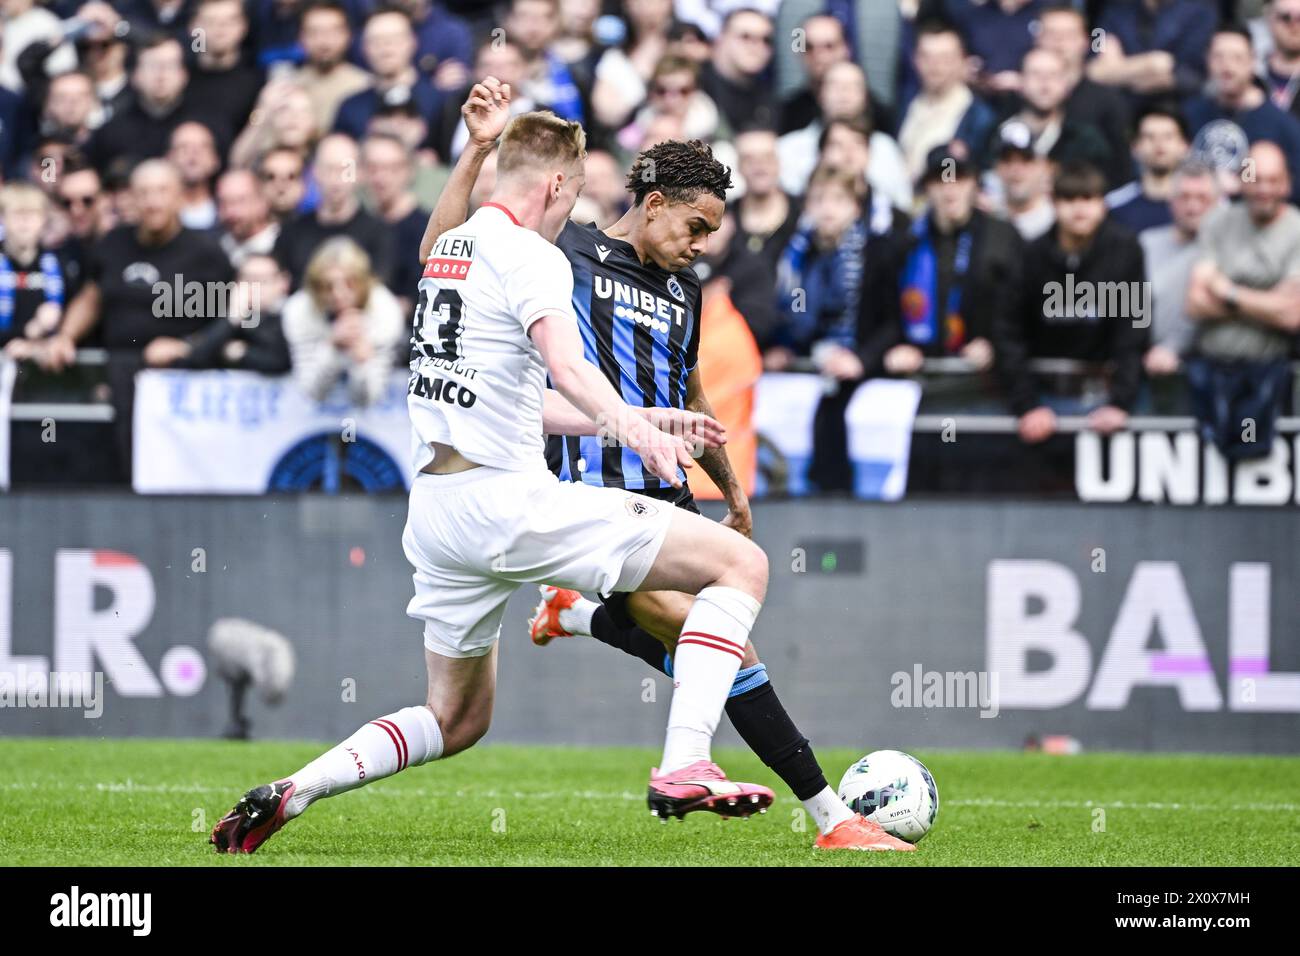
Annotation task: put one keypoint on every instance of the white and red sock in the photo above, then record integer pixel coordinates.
(705, 663)
(380, 749)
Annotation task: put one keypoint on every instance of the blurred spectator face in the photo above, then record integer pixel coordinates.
(267, 283)
(690, 44)
(194, 153)
(604, 180)
(340, 289)
(1284, 26)
(1043, 82)
(847, 149)
(241, 207)
(1231, 65)
(47, 165)
(160, 76)
(952, 200)
(335, 169)
(71, 101)
(832, 208)
(939, 61)
(410, 129)
(81, 195)
(156, 196)
(649, 16)
(661, 128)
(505, 62)
(758, 162)
(1066, 34)
(1024, 176)
(1191, 198)
(101, 57)
(221, 26)
(24, 218)
(533, 24)
(1266, 192)
(385, 169)
(745, 43)
(671, 92)
(389, 45)
(282, 181)
(1160, 146)
(1080, 215)
(293, 123)
(824, 45)
(325, 37)
(577, 17)
(843, 93)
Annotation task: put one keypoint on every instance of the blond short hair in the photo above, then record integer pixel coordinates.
(540, 140)
(23, 194)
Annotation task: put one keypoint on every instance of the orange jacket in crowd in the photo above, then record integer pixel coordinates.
(730, 365)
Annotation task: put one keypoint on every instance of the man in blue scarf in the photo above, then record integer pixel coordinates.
(835, 288)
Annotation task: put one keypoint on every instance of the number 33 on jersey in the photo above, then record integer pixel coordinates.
(476, 377)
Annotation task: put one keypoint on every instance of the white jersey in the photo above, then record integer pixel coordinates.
(476, 377)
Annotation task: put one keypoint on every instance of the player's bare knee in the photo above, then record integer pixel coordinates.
(746, 570)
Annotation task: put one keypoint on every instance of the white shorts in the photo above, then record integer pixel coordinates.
(477, 535)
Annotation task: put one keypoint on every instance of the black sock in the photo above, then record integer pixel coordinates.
(629, 640)
(763, 723)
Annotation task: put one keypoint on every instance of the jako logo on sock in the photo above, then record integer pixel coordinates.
(361, 768)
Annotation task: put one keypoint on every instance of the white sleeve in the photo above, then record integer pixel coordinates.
(541, 284)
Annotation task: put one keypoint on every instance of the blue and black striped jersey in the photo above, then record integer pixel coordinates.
(640, 327)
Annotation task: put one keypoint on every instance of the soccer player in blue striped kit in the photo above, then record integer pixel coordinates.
(637, 303)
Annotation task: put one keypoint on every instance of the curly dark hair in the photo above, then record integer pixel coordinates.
(681, 171)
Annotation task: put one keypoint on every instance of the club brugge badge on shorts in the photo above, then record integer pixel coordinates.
(675, 288)
(639, 507)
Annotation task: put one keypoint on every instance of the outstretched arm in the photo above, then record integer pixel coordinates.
(486, 112)
(561, 417)
(588, 391)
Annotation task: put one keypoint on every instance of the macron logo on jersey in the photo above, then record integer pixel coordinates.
(451, 257)
(602, 251)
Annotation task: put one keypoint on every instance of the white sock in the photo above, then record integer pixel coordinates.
(708, 655)
(380, 749)
(827, 809)
(577, 619)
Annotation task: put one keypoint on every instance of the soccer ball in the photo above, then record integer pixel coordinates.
(895, 790)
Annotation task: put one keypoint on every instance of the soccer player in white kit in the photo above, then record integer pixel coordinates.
(486, 515)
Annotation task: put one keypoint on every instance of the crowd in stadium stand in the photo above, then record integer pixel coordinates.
(915, 179)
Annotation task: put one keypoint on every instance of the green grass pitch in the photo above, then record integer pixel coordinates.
(89, 802)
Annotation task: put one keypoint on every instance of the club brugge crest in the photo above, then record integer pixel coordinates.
(675, 288)
(638, 507)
